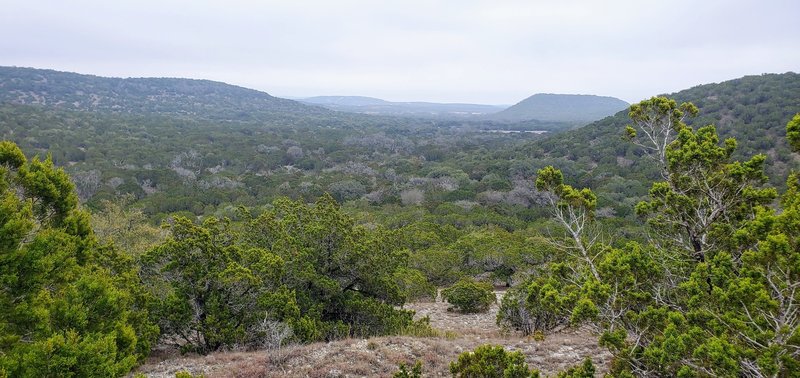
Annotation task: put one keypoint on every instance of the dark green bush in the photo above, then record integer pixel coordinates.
(489, 361)
(469, 296)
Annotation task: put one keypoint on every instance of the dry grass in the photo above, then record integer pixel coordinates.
(380, 356)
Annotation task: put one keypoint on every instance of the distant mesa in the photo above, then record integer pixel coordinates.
(562, 108)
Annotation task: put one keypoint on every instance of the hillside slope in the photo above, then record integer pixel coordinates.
(562, 107)
(752, 109)
(167, 96)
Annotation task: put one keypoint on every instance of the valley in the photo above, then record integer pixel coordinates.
(212, 230)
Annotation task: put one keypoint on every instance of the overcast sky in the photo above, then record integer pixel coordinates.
(493, 52)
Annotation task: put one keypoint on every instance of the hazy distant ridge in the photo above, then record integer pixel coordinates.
(345, 101)
(371, 105)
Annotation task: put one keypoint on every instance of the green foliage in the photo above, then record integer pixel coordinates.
(437, 264)
(488, 361)
(584, 370)
(624, 283)
(710, 294)
(222, 282)
(549, 300)
(212, 292)
(415, 285)
(706, 196)
(729, 314)
(68, 306)
(662, 110)
(793, 132)
(550, 179)
(11, 156)
(404, 372)
(513, 313)
(496, 251)
(470, 296)
(344, 275)
(126, 228)
(347, 190)
(422, 328)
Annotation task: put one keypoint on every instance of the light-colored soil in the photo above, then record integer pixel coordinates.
(380, 356)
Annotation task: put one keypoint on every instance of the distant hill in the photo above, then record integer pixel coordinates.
(752, 109)
(562, 108)
(344, 101)
(371, 105)
(168, 96)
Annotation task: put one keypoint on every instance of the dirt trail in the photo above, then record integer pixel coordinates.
(380, 356)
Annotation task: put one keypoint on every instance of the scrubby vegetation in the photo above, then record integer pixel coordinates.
(204, 235)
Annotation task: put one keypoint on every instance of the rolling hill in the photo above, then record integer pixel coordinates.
(166, 96)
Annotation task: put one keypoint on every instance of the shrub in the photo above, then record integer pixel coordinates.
(415, 372)
(584, 370)
(489, 361)
(415, 285)
(186, 374)
(213, 294)
(421, 328)
(513, 313)
(469, 296)
(347, 190)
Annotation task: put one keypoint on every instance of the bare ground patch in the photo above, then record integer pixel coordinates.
(380, 356)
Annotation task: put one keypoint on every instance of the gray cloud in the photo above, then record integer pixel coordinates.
(457, 51)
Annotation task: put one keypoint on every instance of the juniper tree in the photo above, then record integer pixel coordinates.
(68, 306)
